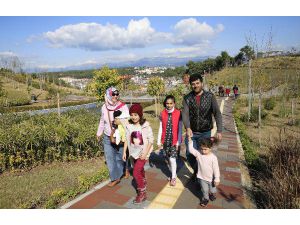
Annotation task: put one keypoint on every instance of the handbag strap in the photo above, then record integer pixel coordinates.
(109, 117)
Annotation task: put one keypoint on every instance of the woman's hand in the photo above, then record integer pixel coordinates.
(124, 157)
(98, 137)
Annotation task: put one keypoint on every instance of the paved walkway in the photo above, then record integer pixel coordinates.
(186, 194)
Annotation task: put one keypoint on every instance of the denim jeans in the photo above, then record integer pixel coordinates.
(113, 156)
(206, 188)
(196, 138)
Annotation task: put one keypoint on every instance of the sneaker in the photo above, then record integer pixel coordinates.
(204, 202)
(173, 182)
(212, 197)
(141, 197)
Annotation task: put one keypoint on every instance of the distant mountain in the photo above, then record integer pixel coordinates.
(151, 62)
(159, 61)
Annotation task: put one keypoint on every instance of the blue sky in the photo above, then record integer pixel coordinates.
(58, 42)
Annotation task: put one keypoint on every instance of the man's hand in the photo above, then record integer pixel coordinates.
(189, 133)
(216, 183)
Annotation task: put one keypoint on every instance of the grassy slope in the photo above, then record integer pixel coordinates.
(25, 189)
(277, 71)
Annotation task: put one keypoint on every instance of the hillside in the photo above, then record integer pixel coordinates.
(18, 94)
(273, 72)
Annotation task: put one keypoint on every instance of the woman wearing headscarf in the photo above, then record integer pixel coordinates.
(112, 152)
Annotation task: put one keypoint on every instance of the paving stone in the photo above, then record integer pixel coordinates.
(233, 169)
(127, 190)
(222, 146)
(129, 204)
(231, 183)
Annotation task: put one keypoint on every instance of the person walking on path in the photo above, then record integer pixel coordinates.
(169, 134)
(208, 174)
(235, 91)
(139, 140)
(112, 152)
(198, 108)
(227, 91)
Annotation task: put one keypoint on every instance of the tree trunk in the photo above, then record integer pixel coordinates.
(155, 106)
(249, 89)
(130, 98)
(293, 109)
(58, 105)
(259, 107)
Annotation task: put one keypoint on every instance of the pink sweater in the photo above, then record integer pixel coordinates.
(104, 125)
(207, 165)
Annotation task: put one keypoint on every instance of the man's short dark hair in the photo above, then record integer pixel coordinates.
(196, 76)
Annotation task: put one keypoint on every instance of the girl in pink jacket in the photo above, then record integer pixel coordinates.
(139, 139)
(208, 169)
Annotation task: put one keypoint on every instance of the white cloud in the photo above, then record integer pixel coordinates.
(191, 32)
(190, 51)
(98, 37)
(7, 54)
(137, 34)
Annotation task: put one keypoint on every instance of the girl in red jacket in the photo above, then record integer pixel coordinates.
(169, 134)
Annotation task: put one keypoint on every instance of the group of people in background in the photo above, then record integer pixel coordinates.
(225, 91)
(128, 138)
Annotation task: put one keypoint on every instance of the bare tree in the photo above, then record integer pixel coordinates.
(250, 54)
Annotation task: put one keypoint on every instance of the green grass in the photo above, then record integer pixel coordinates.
(50, 185)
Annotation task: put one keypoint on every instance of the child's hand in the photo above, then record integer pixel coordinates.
(143, 156)
(124, 157)
(216, 183)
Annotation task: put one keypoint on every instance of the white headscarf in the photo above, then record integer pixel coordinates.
(108, 98)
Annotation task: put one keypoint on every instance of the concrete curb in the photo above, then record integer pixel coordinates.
(82, 196)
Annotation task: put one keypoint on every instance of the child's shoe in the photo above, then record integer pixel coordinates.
(173, 182)
(204, 202)
(212, 197)
(141, 196)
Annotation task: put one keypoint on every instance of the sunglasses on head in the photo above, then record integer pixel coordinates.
(115, 93)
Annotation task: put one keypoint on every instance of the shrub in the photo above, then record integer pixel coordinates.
(278, 187)
(29, 141)
(269, 103)
(253, 115)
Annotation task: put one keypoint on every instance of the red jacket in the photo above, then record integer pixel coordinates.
(175, 125)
